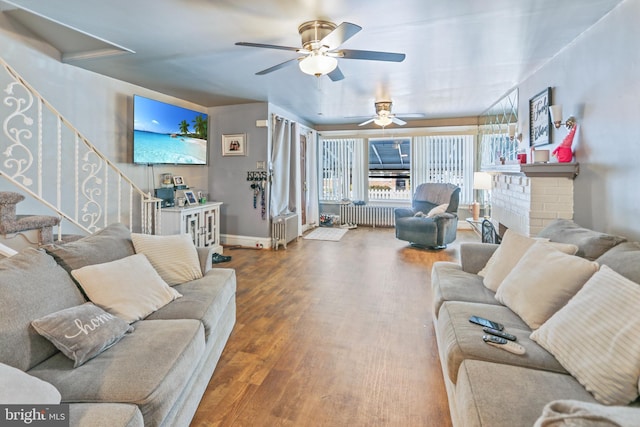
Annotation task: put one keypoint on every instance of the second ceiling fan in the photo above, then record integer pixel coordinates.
(319, 51)
(384, 117)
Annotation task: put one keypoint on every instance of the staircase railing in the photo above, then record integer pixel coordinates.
(44, 155)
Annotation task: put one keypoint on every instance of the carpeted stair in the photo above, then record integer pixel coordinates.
(12, 223)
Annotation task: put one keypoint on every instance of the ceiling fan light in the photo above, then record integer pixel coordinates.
(383, 121)
(317, 64)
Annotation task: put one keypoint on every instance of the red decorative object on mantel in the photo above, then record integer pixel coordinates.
(563, 151)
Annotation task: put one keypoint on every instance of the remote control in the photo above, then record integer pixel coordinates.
(509, 346)
(501, 334)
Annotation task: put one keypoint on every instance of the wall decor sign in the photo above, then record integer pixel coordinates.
(234, 145)
(539, 120)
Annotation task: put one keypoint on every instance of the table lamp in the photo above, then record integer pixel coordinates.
(481, 181)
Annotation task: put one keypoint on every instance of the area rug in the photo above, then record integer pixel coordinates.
(327, 233)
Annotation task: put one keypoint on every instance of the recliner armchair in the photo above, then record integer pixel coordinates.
(431, 232)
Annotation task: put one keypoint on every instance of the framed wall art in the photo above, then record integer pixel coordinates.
(234, 145)
(539, 120)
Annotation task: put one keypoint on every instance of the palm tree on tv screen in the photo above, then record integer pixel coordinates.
(200, 126)
(184, 127)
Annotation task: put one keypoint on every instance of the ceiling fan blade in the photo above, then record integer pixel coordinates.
(336, 75)
(372, 55)
(367, 122)
(341, 34)
(276, 67)
(398, 121)
(412, 115)
(267, 46)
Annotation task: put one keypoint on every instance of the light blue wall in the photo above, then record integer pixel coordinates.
(597, 78)
(228, 175)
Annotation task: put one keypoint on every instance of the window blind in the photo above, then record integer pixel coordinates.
(444, 158)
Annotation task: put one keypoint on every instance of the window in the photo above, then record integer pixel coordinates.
(390, 169)
(395, 166)
(338, 157)
(444, 158)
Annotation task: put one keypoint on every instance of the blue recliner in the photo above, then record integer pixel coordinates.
(434, 232)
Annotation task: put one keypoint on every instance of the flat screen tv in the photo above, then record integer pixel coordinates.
(168, 134)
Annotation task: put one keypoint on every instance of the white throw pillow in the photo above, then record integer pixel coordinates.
(542, 282)
(129, 288)
(19, 388)
(505, 257)
(174, 257)
(438, 210)
(596, 337)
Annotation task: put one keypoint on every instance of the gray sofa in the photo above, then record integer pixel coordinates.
(154, 375)
(491, 387)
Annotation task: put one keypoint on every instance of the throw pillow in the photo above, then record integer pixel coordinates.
(19, 388)
(129, 288)
(32, 285)
(438, 210)
(591, 244)
(505, 257)
(174, 257)
(82, 332)
(542, 282)
(109, 244)
(595, 337)
(566, 413)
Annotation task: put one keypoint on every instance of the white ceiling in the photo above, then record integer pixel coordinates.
(461, 55)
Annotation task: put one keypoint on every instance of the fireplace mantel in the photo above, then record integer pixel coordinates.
(551, 170)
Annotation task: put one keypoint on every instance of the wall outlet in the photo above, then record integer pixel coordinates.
(259, 245)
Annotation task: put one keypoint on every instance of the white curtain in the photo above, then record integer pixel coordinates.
(313, 197)
(283, 167)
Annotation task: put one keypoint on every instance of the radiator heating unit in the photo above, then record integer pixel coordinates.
(284, 228)
(375, 216)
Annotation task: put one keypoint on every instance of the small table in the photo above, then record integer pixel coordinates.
(476, 224)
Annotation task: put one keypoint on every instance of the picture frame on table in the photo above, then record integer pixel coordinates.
(234, 145)
(191, 198)
(178, 180)
(539, 120)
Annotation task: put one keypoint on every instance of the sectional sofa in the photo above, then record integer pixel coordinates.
(571, 298)
(140, 353)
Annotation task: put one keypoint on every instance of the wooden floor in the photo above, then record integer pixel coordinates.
(332, 334)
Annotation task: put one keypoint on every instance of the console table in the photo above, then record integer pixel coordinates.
(202, 222)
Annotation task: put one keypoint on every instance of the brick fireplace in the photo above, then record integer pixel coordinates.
(528, 200)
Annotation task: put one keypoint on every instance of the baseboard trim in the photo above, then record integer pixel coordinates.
(250, 241)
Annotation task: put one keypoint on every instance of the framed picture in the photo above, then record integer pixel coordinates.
(191, 198)
(178, 180)
(539, 120)
(234, 145)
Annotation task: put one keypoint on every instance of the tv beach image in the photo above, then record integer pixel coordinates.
(164, 133)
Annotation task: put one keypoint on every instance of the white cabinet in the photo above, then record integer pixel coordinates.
(202, 222)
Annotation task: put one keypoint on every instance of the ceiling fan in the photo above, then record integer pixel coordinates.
(384, 117)
(319, 51)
